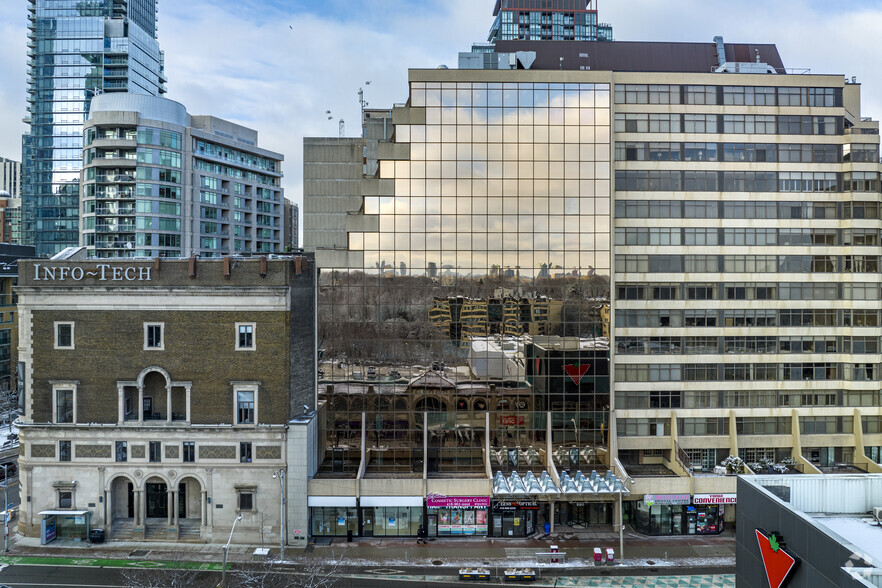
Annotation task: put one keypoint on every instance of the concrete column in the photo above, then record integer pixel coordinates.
(139, 520)
(143, 502)
(168, 404)
(188, 404)
(122, 404)
(170, 499)
(551, 512)
(174, 508)
(203, 511)
(140, 407)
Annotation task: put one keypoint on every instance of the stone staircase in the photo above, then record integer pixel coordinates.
(190, 531)
(121, 530)
(156, 530)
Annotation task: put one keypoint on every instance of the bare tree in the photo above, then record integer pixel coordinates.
(311, 572)
(8, 401)
(167, 578)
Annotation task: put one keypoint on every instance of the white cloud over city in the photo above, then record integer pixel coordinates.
(278, 71)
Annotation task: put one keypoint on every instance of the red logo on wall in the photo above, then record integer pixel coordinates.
(777, 562)
(576, 370)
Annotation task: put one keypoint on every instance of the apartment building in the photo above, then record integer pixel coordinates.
(157, 181)
(75, 52)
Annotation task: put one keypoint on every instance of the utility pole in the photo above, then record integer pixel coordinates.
(282, 500)
(6, 508)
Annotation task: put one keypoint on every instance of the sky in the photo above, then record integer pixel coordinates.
(278, 65)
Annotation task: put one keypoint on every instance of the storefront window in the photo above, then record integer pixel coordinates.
(457, 515)
(330, 521)
(513, 518)
(662, 519)
(397, 520)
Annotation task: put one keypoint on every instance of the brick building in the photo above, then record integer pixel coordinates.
(158, 394)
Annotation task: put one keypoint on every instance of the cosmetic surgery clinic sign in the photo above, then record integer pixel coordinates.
(102, 272)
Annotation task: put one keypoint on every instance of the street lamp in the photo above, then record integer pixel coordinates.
(622, 522)
(6, 501)
(575, 430)
(282, 500)
(226, 548)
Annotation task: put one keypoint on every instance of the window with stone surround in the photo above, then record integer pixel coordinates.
(245, 340)
(245, 496)
(64, 401)
(154, 336)
(64, 335)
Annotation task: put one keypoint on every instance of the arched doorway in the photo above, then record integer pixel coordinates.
(157, 498)
(190, 508)
(122, 508)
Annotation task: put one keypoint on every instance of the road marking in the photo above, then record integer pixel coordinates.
(385, 571)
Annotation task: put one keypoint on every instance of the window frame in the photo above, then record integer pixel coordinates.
(72, 326)
(68, 454)
(121, 452)
(246, 452)
(161, 346)
(151, 445)
(254, 388)
(188, 449)
(238, 333)
(249, 490)
(61, 386)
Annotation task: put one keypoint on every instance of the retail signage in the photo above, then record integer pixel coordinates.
(102, 272)
(666, 499)
(511, 420)
(515, 505)
(777, 561)
(441, 501)
(576, 370)
(715, 499)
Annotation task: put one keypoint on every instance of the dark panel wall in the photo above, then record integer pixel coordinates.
(822, 557)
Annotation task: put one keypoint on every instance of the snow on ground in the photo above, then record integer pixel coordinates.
(863, 532)
(500, 563)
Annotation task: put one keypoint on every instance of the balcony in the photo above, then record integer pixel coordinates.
(116, 72)
(115, 178)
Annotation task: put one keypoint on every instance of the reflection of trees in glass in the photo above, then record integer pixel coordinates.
(392, 319)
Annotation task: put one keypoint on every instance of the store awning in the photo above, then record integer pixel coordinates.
(331, 501)
(391, 501)
(64, 512)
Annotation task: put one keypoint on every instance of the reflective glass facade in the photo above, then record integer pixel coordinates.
(477, 300)
(74, 50)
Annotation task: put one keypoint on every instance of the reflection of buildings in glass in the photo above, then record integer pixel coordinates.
(500, 216)
(737, 301)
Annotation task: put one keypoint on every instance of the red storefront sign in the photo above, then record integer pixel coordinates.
(438, 501)
(512, 420)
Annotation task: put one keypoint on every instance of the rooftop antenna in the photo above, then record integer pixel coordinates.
(362, 102)
(341, 130)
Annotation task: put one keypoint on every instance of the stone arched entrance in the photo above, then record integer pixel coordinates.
(190, 508)
(122, 506)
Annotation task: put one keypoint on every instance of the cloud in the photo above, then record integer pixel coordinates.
(13, 74)
(242, 60)
(281, 80)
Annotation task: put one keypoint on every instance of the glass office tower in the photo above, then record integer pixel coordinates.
(75, 50)
(462, 330)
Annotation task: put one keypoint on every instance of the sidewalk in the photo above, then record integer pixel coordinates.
(640, 551)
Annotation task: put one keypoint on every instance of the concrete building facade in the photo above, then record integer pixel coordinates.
(158, 395)
(160, 182)
(725, 211)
